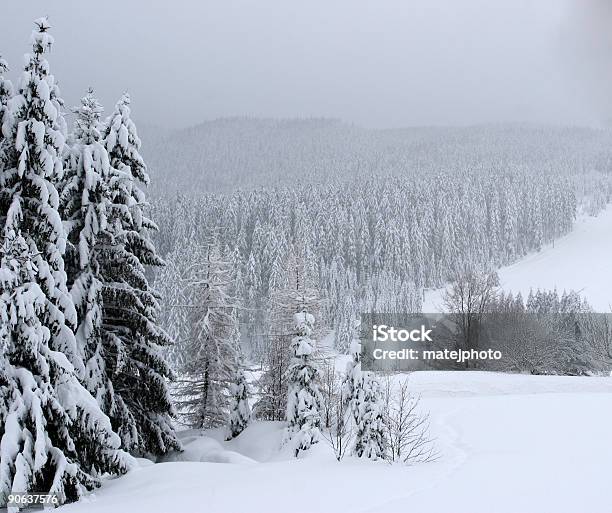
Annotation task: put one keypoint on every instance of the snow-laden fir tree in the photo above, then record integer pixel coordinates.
(253, 312)
(6, 86)
(352, 376)
(53, 435)
(304, 398)
(345, 321)
(6, 92)
(85, 205)
(142, 406)
(170, 283)
(364, 407)
(240, 411)
(211, 343)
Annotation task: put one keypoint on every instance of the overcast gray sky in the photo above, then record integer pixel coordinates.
(379, 63)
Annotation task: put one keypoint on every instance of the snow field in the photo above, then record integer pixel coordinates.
(507, 443)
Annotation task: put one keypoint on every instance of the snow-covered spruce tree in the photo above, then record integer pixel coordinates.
(240, 411)
(168, 282)
(351, 378)
(85, 201)
(345, 321)
(364, 407)
(7, 155)
(53, 435)
(6, 92)
(304, 398)
(142, 406)
(211, 344)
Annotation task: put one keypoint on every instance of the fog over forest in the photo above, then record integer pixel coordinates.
(378, 64)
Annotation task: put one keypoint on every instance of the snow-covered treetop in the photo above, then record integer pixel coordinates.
(122, 141)
(6, 91)
(302, 344)
(42, 23)
(304, 322)
(36, 116)
(41, 39)
(35, 139)
(87, 124)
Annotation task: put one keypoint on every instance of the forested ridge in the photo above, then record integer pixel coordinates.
(375, 216)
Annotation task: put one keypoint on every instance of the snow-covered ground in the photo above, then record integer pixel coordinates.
(581, 260)
(507, 443)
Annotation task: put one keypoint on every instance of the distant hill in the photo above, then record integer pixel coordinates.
(226, 154)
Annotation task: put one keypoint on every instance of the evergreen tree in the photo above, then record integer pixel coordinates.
(345, 325)
(174, 318)
(240, 411)
(85, 206)
(252, 313)
(142, 408)
(6, 92)
(304, 398)
(53, 435)
(363, 405)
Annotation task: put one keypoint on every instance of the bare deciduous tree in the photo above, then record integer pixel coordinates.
(597, 331)
(467, 299)
(330, 389)
(529, 344)
(407, 436)
(338, 429)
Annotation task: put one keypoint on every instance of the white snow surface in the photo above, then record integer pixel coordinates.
(581, 261)
(507, 443)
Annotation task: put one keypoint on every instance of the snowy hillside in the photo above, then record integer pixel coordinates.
(579, 261)
(503, 440)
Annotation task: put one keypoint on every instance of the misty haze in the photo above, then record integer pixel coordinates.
(378, 64)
